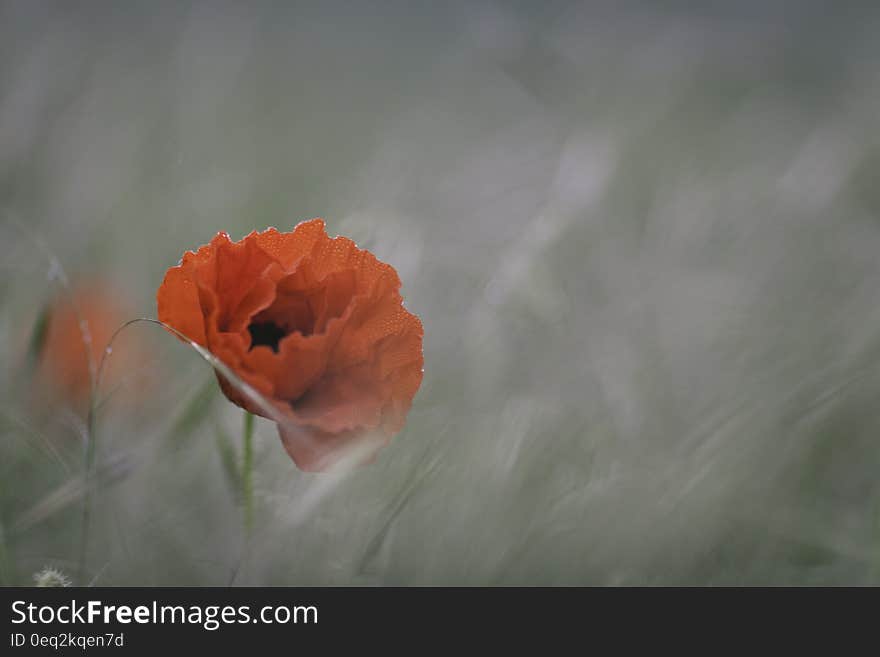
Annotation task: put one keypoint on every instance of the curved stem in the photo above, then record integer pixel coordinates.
(91, 443)
(257, 399)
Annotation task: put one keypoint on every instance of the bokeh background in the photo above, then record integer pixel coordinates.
(644, 242)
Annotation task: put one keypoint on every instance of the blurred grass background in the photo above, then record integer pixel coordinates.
(643, 242)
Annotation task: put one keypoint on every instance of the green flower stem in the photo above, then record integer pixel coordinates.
(247, 470)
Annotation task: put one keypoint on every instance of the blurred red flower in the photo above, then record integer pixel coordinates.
(315, 324)
(80, 323)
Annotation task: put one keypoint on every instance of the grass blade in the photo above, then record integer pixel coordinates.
(70, 492)
(37, 340)
(194, 411)
(229, 460)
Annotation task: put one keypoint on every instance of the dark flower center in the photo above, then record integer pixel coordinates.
(301, 306)
(267, 334)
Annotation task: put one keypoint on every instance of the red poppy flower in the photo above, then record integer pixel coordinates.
(64, 357)
(316, 325)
